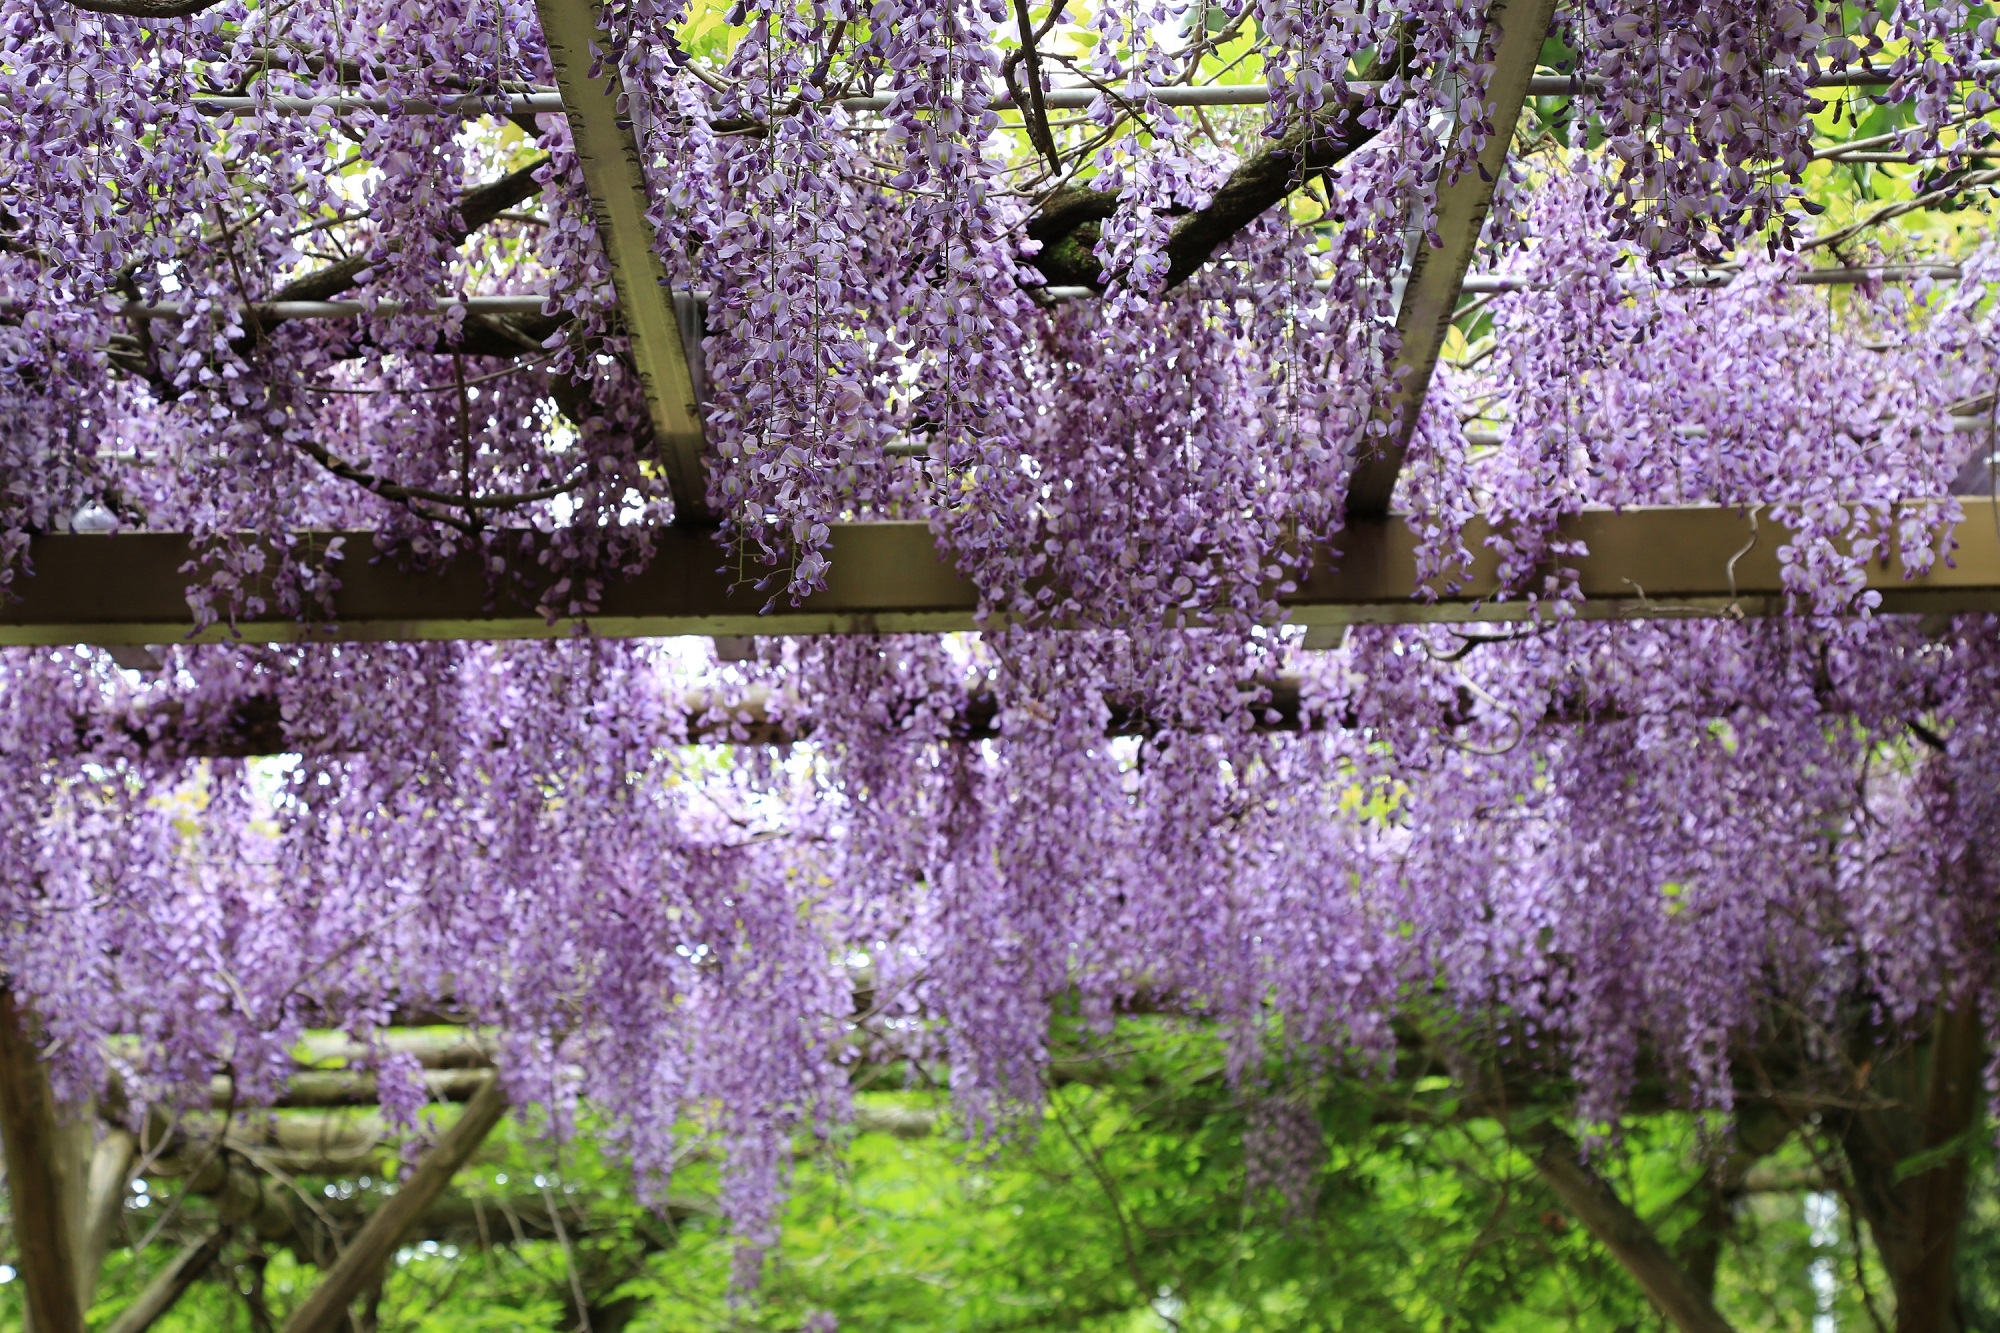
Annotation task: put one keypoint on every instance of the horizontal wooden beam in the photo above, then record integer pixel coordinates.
(128, 588)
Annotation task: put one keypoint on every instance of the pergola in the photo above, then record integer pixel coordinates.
(887, 577)
(127, 590)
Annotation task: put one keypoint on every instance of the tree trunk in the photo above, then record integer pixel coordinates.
(1911, 1165)
(1760, 1131)
(37, 1183)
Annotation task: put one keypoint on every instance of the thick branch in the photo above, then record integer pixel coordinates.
(171, 1283)
(1067, 222)
(325, 1309)
(478, 207)
(1624, 1233)
(169, 729)
(1761, 1129)
(42, 1235)
(147, 9)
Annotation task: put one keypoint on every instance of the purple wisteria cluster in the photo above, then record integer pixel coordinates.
(1634, 849)
(699, 891)
(878, 339)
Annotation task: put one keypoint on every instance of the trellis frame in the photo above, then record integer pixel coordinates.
(1645, 562)
(129, 588)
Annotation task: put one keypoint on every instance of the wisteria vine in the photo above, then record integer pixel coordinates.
(699, 891)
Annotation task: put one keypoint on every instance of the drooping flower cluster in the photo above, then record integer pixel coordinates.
(1636, 843)
(1642, 846)
(870, 272)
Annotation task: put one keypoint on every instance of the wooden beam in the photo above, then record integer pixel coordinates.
(43, 1238)
(609, 155)
(362, 1262)
(1431, 289)
(1667, 562)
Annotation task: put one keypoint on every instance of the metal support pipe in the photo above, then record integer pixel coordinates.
(542, 101)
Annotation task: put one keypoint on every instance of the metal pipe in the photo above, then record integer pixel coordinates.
(1210, 94)
(530, 304)
(1477, 284)
(1495, 438)
(544, 101)
(511, 104)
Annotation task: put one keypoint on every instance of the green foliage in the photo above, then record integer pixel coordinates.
(1124, 1206)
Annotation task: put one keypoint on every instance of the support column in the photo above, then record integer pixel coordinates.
(36, 1181)
(1436, 276)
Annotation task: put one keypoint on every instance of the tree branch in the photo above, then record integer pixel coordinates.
(1952, 184)
(326, 1308)
(1761, 1129)
(1623, 1232)
(1034, 110)
(412, 497)
(1067, 222)
(147, 9)
(171, 1283)
(478, 207)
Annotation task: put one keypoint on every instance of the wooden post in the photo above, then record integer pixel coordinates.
(35, 1177)
(663, 350)
(1431, 288)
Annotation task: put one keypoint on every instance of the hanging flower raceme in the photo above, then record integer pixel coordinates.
(698, 891)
